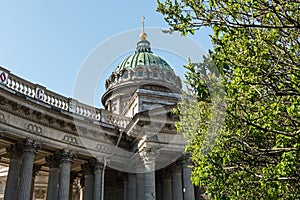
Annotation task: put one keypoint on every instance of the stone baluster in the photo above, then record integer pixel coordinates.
(177, 181)
(88, 171)
(13, 173)
(52, 190)
(131, 186)
(167, 184)
(29, 149)
(149, 155)
(65, 160)
(188, 188)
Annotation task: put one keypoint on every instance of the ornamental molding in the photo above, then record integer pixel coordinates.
(103, 148)
(70, 139)
(149, 154)
(2, 118)
(32, 128)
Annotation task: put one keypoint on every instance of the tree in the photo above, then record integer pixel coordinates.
(256, 48)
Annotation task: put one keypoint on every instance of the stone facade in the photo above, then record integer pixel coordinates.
(54, 147)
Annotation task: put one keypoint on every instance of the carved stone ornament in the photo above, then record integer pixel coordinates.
(53, 161)
(14, 151)
(149, 154)
(65, 155)
(34, 129)
(29, 145)
(103, 148)
(2, 118)
(39, 193)
(70, 139)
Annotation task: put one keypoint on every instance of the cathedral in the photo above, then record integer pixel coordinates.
(55, 147)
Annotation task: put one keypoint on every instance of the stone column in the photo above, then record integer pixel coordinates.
(88, 171)
(140, 186)
(177, 181)
(13, 173)
(125, 183)
(188, 188)
(167, 184)
(66, 158)
(149, 155)
(98, 170)
(159, 186)
(131, 186)
(29, 150)
(52, 188)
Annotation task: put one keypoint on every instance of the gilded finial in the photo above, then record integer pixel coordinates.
(143, 35)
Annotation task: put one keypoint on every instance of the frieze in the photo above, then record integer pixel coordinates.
(35, 129)
(70, 139)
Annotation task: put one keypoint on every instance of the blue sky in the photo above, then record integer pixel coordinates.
(47, 42)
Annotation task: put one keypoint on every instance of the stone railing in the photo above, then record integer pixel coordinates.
(40, 93)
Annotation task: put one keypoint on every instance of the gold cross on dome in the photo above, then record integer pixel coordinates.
(143, 24)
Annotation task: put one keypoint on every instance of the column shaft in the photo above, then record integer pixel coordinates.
(159, 187)
(98, 183)
(131, 186)
(140, 186)
(12, 179)
(177, 185)
(167, 188)
(125, 181)
(188, 193)
(25, 175)
(149, 181)
(52, 189)
(88, 187)
(64, 180)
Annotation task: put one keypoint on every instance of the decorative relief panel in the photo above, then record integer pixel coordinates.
(70, 139)
(103, 148)
(39, 193)
(35, 129)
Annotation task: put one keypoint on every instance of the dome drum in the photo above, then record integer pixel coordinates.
(142, 69)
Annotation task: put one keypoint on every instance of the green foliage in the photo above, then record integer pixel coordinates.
(256, 151)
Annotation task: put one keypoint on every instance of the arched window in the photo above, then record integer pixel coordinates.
(125, 75)
(140, 73)
(155, 74)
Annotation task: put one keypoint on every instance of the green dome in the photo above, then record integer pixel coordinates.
(143, 57)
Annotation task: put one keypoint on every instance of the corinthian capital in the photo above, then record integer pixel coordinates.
(29, 145)
(65, 155)
(148, 154)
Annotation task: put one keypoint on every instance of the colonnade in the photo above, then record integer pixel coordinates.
(171, 183)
